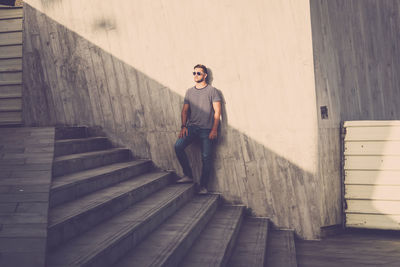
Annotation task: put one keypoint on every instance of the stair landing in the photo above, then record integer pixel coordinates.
(352, 248)
(26, 156)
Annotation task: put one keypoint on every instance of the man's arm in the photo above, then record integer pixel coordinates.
(217, 114)
(184, 131)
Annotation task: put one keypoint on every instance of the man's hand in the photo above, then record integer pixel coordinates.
(213, 134)
(183, 132)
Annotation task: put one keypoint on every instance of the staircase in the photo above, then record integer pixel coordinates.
(109, 209)
(10, 65)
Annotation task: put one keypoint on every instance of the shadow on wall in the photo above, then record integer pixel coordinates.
(356, 65)
(70, 81)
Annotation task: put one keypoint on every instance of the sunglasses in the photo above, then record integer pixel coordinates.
(198, 73)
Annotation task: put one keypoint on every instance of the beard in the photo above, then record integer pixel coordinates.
(200, 80)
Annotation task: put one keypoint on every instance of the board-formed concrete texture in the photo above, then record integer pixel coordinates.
(356, 66)
(124, 67)
(26, 156)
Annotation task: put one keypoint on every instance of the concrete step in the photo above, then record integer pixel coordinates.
(251, 245)
(12, 69)
(11, 38)
(10, 83)
(83, 161)
(10, 77)
(106, 243)
(11, 51)
(71, 133)
(10, 95)
(11, 13)
(10, 64)
(215, 244)
(281, 249)
(11, 117)
(10, 104)
(73, 218)
(72, 186)
(10, 123)
(11, 25)
(8, 91)
(171, 241)
(81, 145)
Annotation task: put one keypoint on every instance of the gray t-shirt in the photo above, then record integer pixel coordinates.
(201, 112)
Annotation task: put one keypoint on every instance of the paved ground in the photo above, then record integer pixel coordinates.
(352, 248)
(26, 156)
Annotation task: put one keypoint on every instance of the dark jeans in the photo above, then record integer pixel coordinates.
(196, 133)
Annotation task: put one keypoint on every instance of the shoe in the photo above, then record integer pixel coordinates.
(185, 179)
(203, 190)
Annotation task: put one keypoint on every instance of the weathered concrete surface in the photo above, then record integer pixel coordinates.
(26, 156)
(281, 250)
(167, 245)
(251, 245)
(104, 244)
(351, 248)
(215, 244)
(125, 67)
(139, 217)
(356, 57)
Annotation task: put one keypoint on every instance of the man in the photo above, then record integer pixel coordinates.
(200, 118)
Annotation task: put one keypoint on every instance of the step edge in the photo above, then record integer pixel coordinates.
(229, 243)
(12, 17)
(292, 247)
(11, 31)
(63, 141)
(96, 205)
(73, 186)
(10, 96)
(232, 241)
(89, 154)
(204, 214)
(12, 44)
(137, 162)
(8, 70)
(67, 147)
(10, 109)
(11, 57)
(261, 248)
(100, 211)
(209, 211)
(6, 83)
(5, 124)
(133, 227)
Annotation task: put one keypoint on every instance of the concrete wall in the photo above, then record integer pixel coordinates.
(356, 57)
(125, 65)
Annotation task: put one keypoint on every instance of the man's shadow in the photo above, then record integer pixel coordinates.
(222, 133)
(223, 125)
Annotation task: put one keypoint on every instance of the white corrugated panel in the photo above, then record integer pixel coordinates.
(372, 174)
